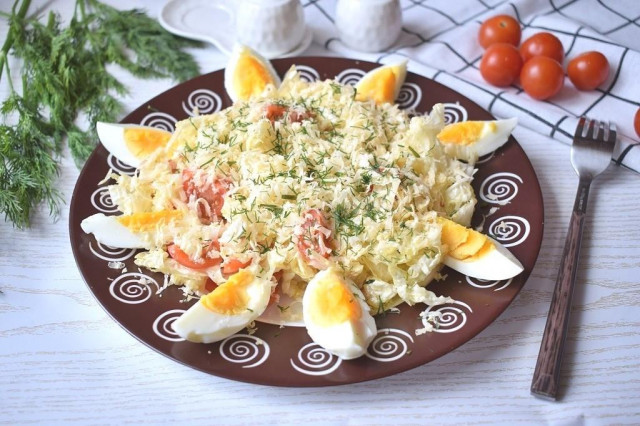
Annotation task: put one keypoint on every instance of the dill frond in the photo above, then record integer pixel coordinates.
(65, 77)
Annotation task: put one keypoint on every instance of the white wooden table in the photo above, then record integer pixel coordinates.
(64, 360)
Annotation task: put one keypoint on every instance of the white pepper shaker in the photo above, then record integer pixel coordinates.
(369, 25)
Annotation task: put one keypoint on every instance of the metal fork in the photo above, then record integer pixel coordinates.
(591, 152)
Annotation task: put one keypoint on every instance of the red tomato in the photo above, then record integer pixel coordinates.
(274, 112)
(210, 285)
(588, 70)
(499, 29)
(501, 64)
(210, 191)
(313, 235)
(541, 77)
(232, 266)
(636, 122)
(542, 44)
(183, 258)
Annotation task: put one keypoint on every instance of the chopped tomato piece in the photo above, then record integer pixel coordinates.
(314, 235)
(208, 191)
(274, 112)
(234, 265)
(275, 297)
(210, 285)
(204, 262)
(296, 116)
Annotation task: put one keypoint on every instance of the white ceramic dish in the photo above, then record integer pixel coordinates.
(195, 19)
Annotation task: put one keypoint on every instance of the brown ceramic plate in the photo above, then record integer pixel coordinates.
(287, 357)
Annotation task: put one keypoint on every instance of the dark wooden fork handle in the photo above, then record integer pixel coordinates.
(547, 373)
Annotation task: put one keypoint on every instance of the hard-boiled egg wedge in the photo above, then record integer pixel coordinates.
(131, 143)
(226, 310)
(336, 315)
(248, 74)
(125, 231)
(468, 140)
(382, 84)
(476, 255)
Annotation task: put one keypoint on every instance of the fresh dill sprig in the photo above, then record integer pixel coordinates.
(65, 77)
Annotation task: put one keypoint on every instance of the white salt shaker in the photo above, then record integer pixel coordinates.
(369, 25)
(272, 27)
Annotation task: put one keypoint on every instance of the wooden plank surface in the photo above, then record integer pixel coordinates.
(63, 360)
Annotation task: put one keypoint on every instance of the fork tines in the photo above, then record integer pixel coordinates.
(594, 129)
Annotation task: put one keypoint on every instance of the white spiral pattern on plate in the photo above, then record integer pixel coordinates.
(500, 188)
(204, 100)
(350, 76)
(450, 317)
(245, 349)
(119, 166)
(110, 254)
(101, 200)
(409, 97)
(479, 283)
(162, 326)
(315, 361)
(454, 113)
(389, 345)
(160, 120)
(307, 73)
(132, 288)
(486, 158)
(510, 230)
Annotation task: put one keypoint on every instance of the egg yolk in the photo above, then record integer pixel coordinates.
(142, 142)
(250, 78)
(334, 303)
(470, 247)
(230, 298)
(144, 221)
(466, 132)
(464, 243)
(486, 248)
(452, 234)
(381, 88)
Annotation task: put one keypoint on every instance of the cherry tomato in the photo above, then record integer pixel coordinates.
(588, 70)
(541, 77)
(542, 44)
(313, 235)
(499, 29)
(501, 64)
(204, 262)
(636, 122)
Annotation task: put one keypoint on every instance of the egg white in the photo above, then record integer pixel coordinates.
(498, 264)
(109, 231)
(489, 140)
(112, 137)
(232, 68)
(202, 325)
(348, 339)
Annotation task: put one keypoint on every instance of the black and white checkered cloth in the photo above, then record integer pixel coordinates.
(439, 38)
